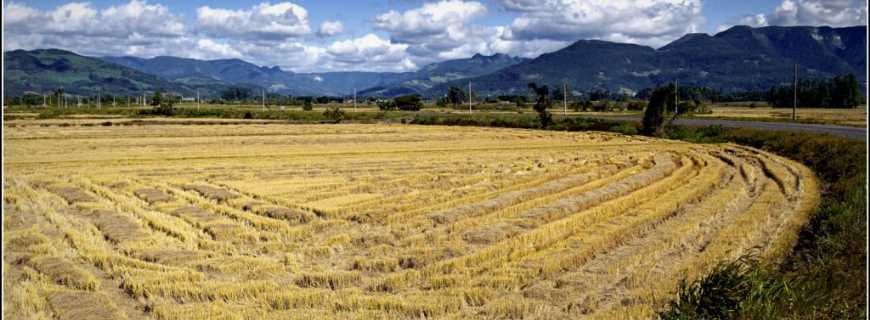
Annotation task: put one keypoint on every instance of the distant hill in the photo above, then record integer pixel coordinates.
(738, 59)
(235, 71)
(50, 69)
(442, 72)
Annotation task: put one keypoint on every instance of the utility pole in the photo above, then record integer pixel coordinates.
(264, 98)
(99, 98)
(469, 97)
(794, 106)
(565, 98)
(43, 100)
(128, 101)
(197, 99)
(677, 96)
(354, 99)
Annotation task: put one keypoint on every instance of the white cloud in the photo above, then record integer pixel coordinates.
(214, 50)
(429, 20)
(81, 19)
(833, 13)
(264, 21)
(649, 22)
(370, 51)
(330, 28)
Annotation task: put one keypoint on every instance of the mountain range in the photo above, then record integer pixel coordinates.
(738, 59)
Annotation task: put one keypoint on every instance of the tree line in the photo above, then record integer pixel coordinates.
(837, 92)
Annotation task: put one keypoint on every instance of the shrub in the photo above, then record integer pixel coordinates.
(635, 105)
(307, 106)
(408, 103)
(334, 114)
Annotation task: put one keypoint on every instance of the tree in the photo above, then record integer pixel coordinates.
(456, 96)
(542, 103)
(521, 101)
(837, 92)
(157, 98)
(335, 114)
(306, 105)
(408, 103)
(236, 93)
(442, 102)
(386, 105)
(661, 100)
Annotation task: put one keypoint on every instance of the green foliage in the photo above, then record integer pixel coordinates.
(521, 101)
(635, 105)
(823, 277)
(542, 103)
(408, 103)
(442, 102)
(716, 296)
(334, 114)
(456, 96)
(306, 106)
(660, 101)
(156, 98)
(386, 105)
(838, 92)
(625, 128)
(236, 93)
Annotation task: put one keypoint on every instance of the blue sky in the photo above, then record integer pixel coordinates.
(385, 35)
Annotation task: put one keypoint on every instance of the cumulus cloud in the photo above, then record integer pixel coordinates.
(833, 13)
(81, 19)
(432, 19)
(264, 21)
(330, 28)
(370, 50)
(651, 22)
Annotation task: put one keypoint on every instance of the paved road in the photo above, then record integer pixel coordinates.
(848, 132)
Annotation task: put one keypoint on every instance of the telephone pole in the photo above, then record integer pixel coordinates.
(565, 98)
(197, 99)
(354, 99)
(794, 106)
(469, 97)
(99, 98)
(264, 98)
(677, 96)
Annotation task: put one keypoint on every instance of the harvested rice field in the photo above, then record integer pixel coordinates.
(275, 221)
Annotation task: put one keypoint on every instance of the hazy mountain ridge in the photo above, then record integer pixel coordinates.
(738, 59)
(443, 72)
(236, 71)
(44, 70)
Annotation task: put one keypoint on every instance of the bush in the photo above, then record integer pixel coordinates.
(408, 103)
(625, 128)
(635, 105)
(716, 296)
(307, 106)
(386, 105)
(334, 114)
